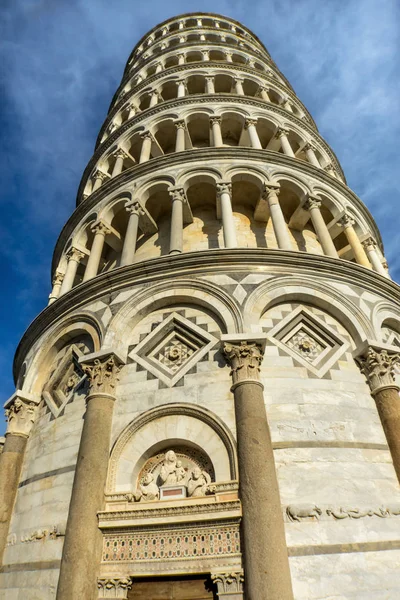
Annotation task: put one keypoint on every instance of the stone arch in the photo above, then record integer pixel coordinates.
(153, 429)
(385, 313)
(288, 289)
(194, 292)
(84, 323)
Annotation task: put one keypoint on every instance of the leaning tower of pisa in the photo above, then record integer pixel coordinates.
(208, 406)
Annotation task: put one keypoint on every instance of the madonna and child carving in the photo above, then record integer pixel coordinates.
(173, 470)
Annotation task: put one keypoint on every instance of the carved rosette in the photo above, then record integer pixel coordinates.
(20, 415)
(228, 583)
(114, 587)
(102, 373)
(377, 364)
(245, 359)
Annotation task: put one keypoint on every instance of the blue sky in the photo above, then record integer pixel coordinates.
(61, 61)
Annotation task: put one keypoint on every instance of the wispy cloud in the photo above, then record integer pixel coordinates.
(62, 62)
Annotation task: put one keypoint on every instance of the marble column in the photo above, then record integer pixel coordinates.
(178, 198)
(228, 56)
(224, 192)
(83, 540)
(239, 86)
(100, 231)
(329, 168)
(20, 412)
(266, 563)
(145, 152)
(210, 89)
(180, 136)
(132, 111)
(278, 220)
(250, 125)
(159, 67)
(120, 155)
(377, 363)
(135, 211)
(347, 223)
(181, 59)
(57, 283)
(99, 177)
(264, 94)
(216, 131)
(206, 55)
(370, 248)
(114, 587)
(309, 149)
(313, 205)
(282, 135)
(153, 98)
(181, 88)
(286, 104)
(74, 258)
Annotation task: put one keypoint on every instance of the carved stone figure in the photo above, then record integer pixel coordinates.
(168, 474)
(198, 482)
(180, 472)
(295, 512)
(149, 489)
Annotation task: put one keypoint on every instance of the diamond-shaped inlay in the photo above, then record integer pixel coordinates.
(64, 381)
(308, 339)
(173, 348)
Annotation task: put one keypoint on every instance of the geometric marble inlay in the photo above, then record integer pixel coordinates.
(173, 348)
(64, 381)
(308, 339)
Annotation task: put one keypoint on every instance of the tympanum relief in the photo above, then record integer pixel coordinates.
(178, 473)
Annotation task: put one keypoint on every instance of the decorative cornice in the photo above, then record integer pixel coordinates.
(193, 264)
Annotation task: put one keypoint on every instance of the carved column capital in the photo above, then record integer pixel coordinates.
(100, 227)
(147, 135)
(250, 123)
(75, 254)
(281, 131)
(377, 363)
(224, 187)
(312, 202)
(114, 587)
(134, 208)
(216, 119)
(177, 194)
(228, 583)
(58, 278)
(120, 153)
(346, 221)
(102, 369)
(209, 78)
(272, 189)
(180, 124)
(369, 243)
(244, 358)
(98, 174)
(20, 411)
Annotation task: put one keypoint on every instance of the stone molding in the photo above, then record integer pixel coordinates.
(188, 265)
(199, 511)
(244, 357)
(102, 370)
(21, 412)
(114, 587)
(377, 363)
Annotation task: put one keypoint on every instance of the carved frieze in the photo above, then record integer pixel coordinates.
(299, 512)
